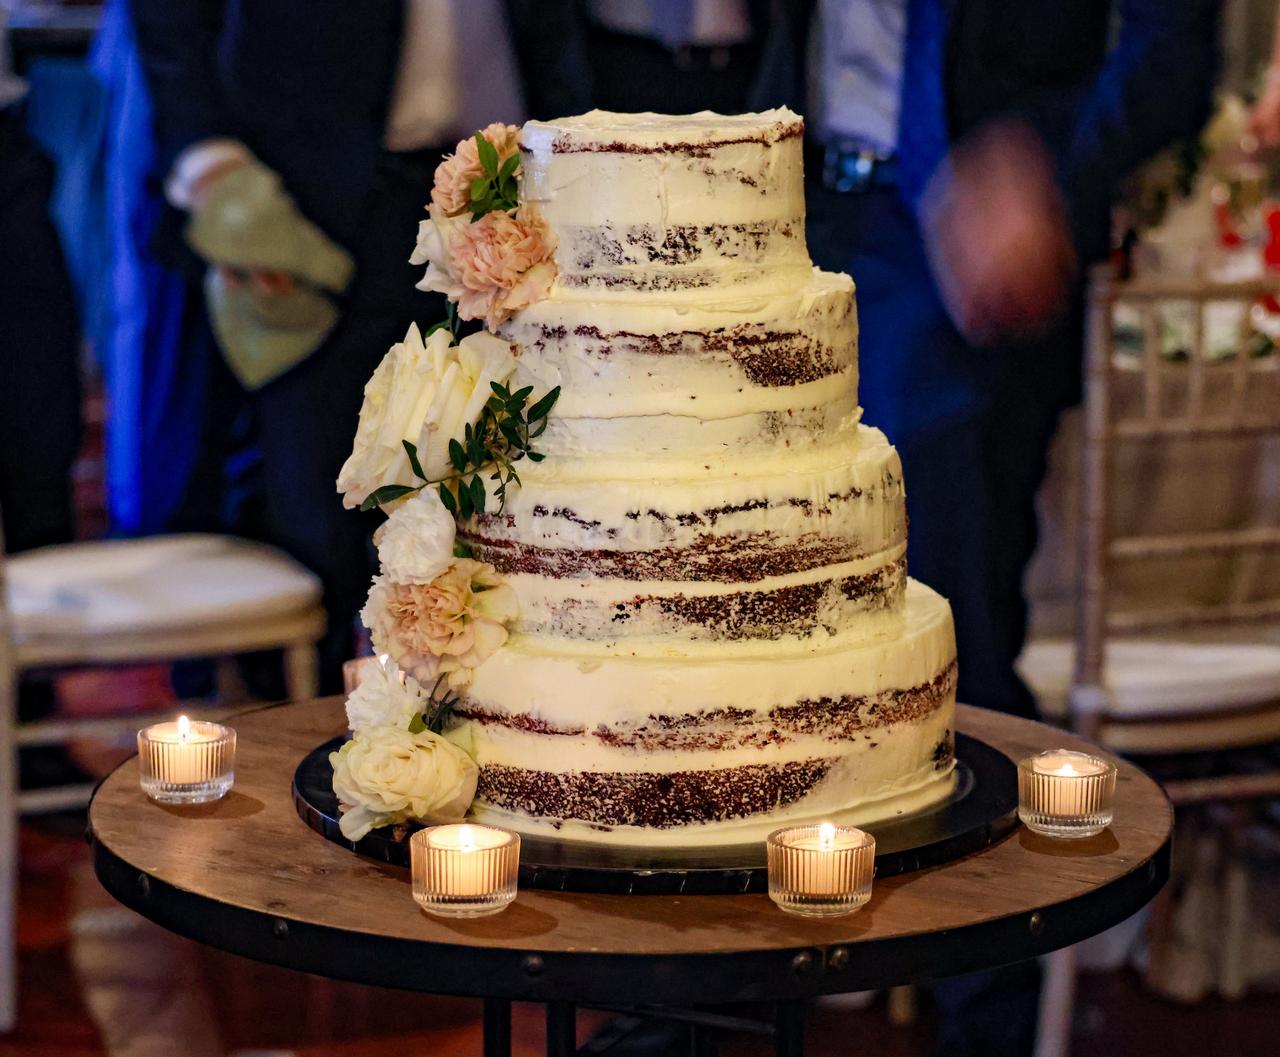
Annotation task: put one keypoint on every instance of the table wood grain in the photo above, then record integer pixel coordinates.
(246, 875)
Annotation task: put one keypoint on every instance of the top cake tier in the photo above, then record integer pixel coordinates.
(676, 206)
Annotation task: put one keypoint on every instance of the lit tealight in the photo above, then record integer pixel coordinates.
(821, 871)
(464, 870)
(185, 762)
(1066, 794)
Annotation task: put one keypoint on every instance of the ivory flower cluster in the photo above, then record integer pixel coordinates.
(390, 772)
(424, 392)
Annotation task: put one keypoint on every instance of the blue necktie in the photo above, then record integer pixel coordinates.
(672, 21)
(922, 120)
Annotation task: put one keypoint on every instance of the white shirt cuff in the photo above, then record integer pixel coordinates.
(196, 162)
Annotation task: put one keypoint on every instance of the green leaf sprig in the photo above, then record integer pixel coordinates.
(451, 321)
(435, 717)
(496, 188)
(503, 436)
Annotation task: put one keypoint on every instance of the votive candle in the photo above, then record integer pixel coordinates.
(464, 870)
(356, 670)
(821, 871)
(186, 762)
(1066, 794)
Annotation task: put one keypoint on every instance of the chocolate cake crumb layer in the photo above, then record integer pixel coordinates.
(573, 145)
(769, 357)
(839, 719)
(658, 801)
(719, 558)
(638, 256)
(789, 611)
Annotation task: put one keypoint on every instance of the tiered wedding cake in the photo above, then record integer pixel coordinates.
(714, 632)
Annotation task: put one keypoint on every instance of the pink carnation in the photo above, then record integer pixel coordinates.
(501, 263)
(452, 190)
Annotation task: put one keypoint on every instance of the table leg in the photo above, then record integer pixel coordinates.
(702, 1041)
(497, 1027)
(562, 1029)
(789, 1029)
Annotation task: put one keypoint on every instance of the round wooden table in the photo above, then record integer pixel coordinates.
(246, 875)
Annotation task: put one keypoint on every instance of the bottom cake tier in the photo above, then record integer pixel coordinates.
(696, 750)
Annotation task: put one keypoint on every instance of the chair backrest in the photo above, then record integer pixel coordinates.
(1192, 365)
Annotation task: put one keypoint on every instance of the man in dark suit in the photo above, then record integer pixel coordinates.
(351, 106)
(964, 177)
(967, 153)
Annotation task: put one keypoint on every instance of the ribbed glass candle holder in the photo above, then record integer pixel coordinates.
(821, 871)
(186, 762)
(1066, 794)
(464, 871)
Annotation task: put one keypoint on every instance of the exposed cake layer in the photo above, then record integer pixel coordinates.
(671, 205)
(644, 379)
(728, 520)
(630, 749)
(665, 617)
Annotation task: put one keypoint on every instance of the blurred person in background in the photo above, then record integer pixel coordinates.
(968, 154)
(667, 56)
(1264, 121)
(40, 423)
(296, 143)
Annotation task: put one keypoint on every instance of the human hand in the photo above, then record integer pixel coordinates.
(202, 174)
(271, 283)
(1264, 119)
(995, 231)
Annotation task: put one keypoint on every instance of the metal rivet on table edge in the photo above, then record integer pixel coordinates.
(144, 886)
(838, 958)
(802, 963)
(1036, 924)
(280, 928)
(532, 965)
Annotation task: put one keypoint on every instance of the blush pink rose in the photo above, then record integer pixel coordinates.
(449, 626)
(501, 263)
(452, 189)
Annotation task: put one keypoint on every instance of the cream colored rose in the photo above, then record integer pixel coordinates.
(415, 543)
(396, 399)
(433, 250)
(384, 698)
(386, 775)
(450, 626)
(461, 375)
(424, 392)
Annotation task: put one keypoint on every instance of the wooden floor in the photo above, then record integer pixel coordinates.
(97, 981)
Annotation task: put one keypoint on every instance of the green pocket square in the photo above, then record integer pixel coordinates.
(248, 222)
(263, 335)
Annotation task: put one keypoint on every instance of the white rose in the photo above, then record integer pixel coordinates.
(415, 544)
(461, 374)
(395, 404)
(424, 392)
(386, 775)
(384, 698)
(432, 249)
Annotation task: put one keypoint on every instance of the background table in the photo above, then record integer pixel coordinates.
(246, 875)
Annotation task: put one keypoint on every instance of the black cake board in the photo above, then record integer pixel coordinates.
(981, 809)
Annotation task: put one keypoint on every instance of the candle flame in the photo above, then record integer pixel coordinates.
(184, 728)
(382, 659)
(826, 837)
(466, 839)
(1067, 771)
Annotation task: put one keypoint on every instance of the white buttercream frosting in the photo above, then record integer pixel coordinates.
(708, 564)
(678, 205)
